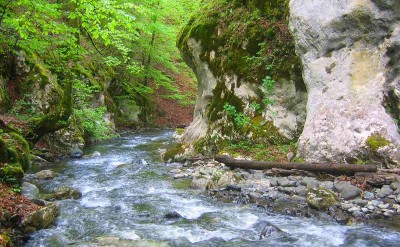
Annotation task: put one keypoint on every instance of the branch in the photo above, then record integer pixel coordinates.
(92, 41)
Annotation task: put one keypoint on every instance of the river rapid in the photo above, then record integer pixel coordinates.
(127, 192)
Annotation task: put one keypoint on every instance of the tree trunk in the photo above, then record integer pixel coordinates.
(337, 169)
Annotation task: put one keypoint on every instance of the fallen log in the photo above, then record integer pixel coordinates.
(337, 169)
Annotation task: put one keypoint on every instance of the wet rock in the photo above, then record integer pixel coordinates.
(301, 191)
(233, 188)
(255, 195)
(40, 219)
(285, 182)
(95, 154)
(368, 195)
(384, 191)
(63, 193)
(172, 215)
(326, 185)
(310, 182)
(270, 230)
(38, 202)
(201, 183)
(384, 206)
(175, 171)
(347, 190)
(398, 198)
(360, 202)
(30, 190)
(45, 175)
(76, 153)
(321, 199)
(395, 186)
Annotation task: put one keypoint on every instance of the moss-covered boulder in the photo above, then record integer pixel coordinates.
(14, 158)
(321, 199)
(249, 76)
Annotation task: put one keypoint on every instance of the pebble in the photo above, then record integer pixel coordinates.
(398, 198)
(176, 171)
(388, 214)
(346, 206)
(368, 195)
(384, 206)
(365, 210)
(384, 191)
(360, 202)
(353, 209)
(375, 203)
(395, 186)
(370, 207)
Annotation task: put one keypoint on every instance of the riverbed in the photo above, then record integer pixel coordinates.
(128, 197)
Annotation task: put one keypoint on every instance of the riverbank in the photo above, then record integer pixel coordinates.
(325, 197)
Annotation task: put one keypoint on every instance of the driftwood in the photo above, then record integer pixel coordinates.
(380, 178)
(337, 169)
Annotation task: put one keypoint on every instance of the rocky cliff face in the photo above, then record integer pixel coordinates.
(350, 60)
(235, 48)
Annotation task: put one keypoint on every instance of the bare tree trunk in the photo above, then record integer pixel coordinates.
(336, 169)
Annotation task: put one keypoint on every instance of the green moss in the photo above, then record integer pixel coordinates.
(12, 171)
(376, 141)
(245, 36)
(173, 152)
(182, 184)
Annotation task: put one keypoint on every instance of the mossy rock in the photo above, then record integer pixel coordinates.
(12, 173)
(173, 152)
(321, 199)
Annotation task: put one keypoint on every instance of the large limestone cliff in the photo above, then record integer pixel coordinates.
(342, 101)
(350, 56)
(233, 47)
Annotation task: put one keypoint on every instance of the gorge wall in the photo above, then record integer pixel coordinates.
(336, 92)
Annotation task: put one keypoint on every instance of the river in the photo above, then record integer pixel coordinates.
(128, 191)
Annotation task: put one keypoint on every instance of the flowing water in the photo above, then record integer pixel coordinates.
(127, 191)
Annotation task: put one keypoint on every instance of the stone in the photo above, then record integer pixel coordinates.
(327, 185)
(310, 182)
(201, 183)
(398, 198)
(300, 190)
(76, 153)
(321, 199)
(45, 175)
(175, 171)
(285, 182)
(95, 154)
(384, 206)
(384, 191)
(30, 190)
(368, 195)
(395, 186)
(347, 190)
(63, 193)
(255, 195)
(40, 219)
(270, 230)
(172, 215)
(360, 202)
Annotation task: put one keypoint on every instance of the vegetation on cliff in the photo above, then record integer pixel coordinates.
(249, 41)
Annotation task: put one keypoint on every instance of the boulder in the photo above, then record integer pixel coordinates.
(63, 193)
(45, 175)
(201, 183)
(347, 190)
(321, 199)
(172, 215)
(29, 190)
(270, 230)
(76, 153)
(40, 219)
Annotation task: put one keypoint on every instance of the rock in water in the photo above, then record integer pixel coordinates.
(76, 153)
(95, 154)
(270, 230)
(45, 174)
(172, 215)
(40, 219)
(63, 193)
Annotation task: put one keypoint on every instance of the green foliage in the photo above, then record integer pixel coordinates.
(239, 118)
(90, 118)
(376, 141)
